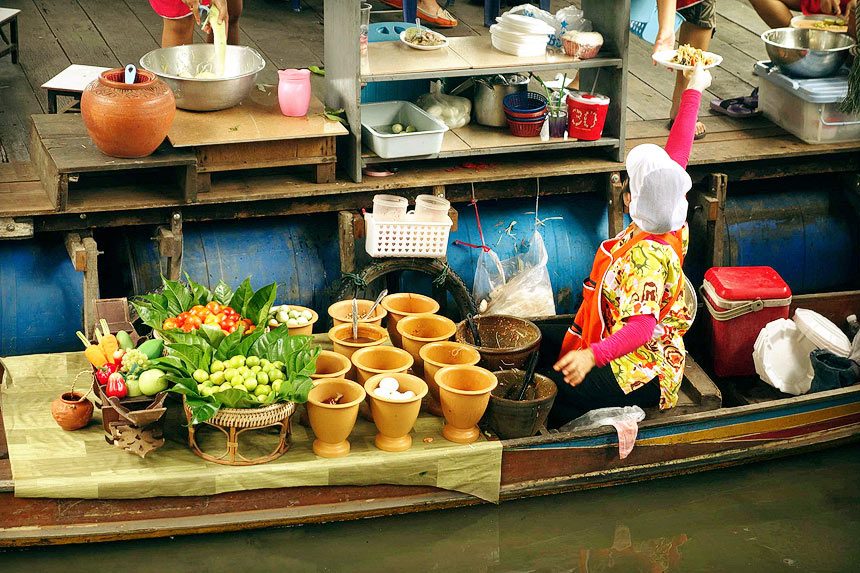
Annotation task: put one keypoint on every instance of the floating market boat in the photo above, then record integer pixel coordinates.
(697, 435)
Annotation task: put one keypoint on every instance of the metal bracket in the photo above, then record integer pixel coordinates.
(170, 245)
(16, 228)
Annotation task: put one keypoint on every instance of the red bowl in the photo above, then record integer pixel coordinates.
(522, 115)
(525, 129)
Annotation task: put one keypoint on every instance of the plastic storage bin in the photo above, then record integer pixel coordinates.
(407, 238)
(376, 122)
(741, 302)
(808, 109)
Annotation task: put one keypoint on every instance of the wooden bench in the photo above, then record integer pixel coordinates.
(9, 16)
(71, 82)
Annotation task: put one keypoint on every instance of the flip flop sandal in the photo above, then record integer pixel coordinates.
(738, 107)
(442, 18)
(696, 137)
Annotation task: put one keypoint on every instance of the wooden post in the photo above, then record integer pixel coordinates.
(91, 283)
(346, 240)
(170, 246)
(614, 190)
(717, 227)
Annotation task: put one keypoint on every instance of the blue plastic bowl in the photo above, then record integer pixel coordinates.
(525, 102)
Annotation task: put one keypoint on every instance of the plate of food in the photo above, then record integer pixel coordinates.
(687, 57)
(821, 22)
(423, 38)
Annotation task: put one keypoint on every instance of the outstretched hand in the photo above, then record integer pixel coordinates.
(698, 78)
(194, 6)
(575, 365)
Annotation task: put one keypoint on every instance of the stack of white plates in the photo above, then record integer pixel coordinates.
(520, 35)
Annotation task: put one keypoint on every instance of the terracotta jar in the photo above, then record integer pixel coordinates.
(72, 411)
(331, 365)
(374, 360)
(437, 355)
(395, 418)
(127, 120)
(332, 423)
(403, 304)
(341, 312)
(465, 393)
(417, 330)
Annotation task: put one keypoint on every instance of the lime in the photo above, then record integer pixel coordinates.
(230, 373)
(217, 366)
(262, 378)
(225, 386)
(256, 368)
(200, 375)
(250, 384)
(262, 390)
(218, 378)
(276, 385)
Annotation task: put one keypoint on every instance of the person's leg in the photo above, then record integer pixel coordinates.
(775, 13)
(177, 32)
(697, 37)
(599, 389)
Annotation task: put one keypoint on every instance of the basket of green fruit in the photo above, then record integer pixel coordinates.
(239, 382)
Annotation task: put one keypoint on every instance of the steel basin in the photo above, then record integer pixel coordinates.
(177, 66)
(807, 53)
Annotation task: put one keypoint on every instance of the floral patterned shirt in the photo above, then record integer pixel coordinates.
(642, 282)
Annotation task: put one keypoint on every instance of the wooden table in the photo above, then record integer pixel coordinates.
(71, 82)
(255, 134)
(9, 16)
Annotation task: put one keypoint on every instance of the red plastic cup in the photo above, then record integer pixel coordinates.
(586, 115)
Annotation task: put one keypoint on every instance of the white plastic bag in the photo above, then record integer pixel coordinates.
(489, 277)
(525, 289)
(570, 18)
(625, 421)
(453, 111)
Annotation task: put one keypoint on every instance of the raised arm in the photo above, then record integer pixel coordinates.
(680, 141)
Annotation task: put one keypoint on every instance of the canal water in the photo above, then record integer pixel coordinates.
(795, 514)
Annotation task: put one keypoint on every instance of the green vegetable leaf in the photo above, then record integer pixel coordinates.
(222, 293)
(235, 398)
(317, 71)
(150, 316)
(201, 294)
(178, 297)
(248, 342)
(257, 307)
(213, 335)
(241, 297)
(227, 348)
(192, 356)
(202, 409)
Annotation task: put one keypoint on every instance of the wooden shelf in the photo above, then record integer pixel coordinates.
(468, 56)
(480, 140)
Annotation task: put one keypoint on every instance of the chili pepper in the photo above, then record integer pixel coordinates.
(116, 386)
(108, 341)
(94, 353)
(102, 375)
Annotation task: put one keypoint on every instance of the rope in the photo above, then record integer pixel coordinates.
(442, 277)
(483, 244)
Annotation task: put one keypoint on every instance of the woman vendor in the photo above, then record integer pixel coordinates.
(180, 16)
(625, 347)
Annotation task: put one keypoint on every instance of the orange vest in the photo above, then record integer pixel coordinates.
(589, 327)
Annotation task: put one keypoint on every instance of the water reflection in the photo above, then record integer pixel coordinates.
(798, 514)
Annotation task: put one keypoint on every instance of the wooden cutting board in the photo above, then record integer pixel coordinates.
(257, 118)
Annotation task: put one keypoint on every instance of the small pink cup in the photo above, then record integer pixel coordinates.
(294, 92)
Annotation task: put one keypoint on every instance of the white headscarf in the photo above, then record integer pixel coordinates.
(658, 189)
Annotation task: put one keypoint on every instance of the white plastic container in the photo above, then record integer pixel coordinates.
(821, 332)
(781, 357)
(407, 238)
(376, 122)
(522, 50)
(432, 208)
(808, 109)
(390, 207)
(524, 24)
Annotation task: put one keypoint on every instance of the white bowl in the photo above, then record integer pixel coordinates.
(525, 24)
(444, 43)
(520, 50)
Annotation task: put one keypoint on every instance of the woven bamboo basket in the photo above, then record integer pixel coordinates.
(233, 422)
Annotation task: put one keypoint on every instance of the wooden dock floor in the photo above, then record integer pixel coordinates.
(55, 33)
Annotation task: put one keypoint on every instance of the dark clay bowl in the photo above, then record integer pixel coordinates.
(507, 341)
(511, 419)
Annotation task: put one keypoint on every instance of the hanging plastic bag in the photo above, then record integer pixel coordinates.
(453, 111)
(489, 277)
(570, 18)
(625, 421)
(526, 291)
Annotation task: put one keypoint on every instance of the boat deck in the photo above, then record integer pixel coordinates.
(113, 33)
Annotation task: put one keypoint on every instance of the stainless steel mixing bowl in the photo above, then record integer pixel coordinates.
(807, 53)
(179, 65)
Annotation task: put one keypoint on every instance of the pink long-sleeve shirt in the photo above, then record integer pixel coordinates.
(638, 330)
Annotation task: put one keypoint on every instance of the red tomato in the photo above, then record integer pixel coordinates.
(227, 310)
(214, 307)
(232, 329)
(170, 324)
(187, 327)
(250, 329)
(183, 316)
(194, 322)
(211, 319)
(227, 324)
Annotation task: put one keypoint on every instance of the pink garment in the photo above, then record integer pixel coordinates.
(172, 9)
(814, 7)
(627, 431)
(637, 331)
(680, 141)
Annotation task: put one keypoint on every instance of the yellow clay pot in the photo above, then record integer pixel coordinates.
(418, 330)
(464, 392)
(437, 355)
(394, 419)
(331, 365)
(307, 329)
(375, 360)
(341, 312)
(403, 304)
(332, 423)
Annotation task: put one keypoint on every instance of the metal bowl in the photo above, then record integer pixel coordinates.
(179, 65)
(807, 53)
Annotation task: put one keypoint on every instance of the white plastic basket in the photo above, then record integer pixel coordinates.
(407, 238)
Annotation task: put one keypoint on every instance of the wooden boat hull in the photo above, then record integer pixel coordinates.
(534, 466)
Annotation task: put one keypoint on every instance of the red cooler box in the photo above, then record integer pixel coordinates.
(741, 301)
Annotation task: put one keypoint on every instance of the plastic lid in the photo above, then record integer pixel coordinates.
(747, 283)
(526, 24)
(588, 98)
(822, 332)
(781, 357)
(814, 90)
